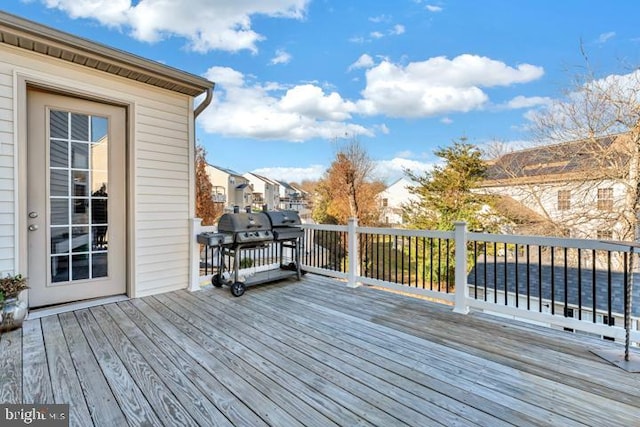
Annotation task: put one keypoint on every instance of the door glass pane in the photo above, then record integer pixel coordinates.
(59, 211)
(59, 268)
(59, 154)
(59, 182)
(59, 240)
(59, 124)
(79, 127)
(80, 155)
(78, 196)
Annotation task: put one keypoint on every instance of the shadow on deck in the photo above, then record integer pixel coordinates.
(313, 353)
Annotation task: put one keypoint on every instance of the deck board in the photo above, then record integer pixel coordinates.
(310, 353)
(11, 367)
(64, 379)
(36, 382)
(102, 405)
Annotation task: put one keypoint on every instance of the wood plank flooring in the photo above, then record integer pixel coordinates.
(310, 353)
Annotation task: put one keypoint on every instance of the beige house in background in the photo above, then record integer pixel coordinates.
(97, 174)
(573, 189)
(266, 192)
(230, 188)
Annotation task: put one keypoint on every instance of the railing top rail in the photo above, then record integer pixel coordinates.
(553, 241)
(325, 227)
(406, 232)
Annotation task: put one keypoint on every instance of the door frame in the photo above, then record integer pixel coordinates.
(23, 81)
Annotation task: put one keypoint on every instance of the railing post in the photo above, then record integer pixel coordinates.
(194, 279)
(462, 290)
(352, 248)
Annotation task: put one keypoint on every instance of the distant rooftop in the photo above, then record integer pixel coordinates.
(558, 161)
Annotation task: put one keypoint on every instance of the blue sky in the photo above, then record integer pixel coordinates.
(294, 78)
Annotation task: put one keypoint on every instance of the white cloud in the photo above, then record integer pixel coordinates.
(206, 24)
(243, 108)
(438, 85)
(406, 154)
(527, 102)
(392, 170)
(365, 61)
(605, 37)
(289, 174)
(433, 8)
(397, 30)
(376, 35)
(446, 120)
(282, 57)
(380, 18)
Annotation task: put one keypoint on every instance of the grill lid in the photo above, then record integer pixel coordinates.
(283, 218)
(237, 222)
(246, 228)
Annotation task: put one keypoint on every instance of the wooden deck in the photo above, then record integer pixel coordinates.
(313, 353)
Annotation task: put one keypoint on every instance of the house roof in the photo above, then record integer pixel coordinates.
(227, 171)
(264, 178)
(29, 35)
(563, 161)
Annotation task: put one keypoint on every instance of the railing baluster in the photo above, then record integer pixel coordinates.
(580, 284)
(566, 284)
(517, 278)
(528, 277)
(447, 274)
(506, 274)
(553, 281)
(475, 269)
(593, 285)
(495, 272)
(609, 287)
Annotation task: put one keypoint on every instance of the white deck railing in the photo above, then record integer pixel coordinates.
(579, 284)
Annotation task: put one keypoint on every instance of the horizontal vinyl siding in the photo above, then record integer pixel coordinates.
(162, 199)
(159, 167)
(7, 183)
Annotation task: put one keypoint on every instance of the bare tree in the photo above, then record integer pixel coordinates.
(587, 147)
(348, 188)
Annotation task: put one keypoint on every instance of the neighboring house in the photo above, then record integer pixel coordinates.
(574, 189)
(230, 188)
(96, 161)
(393, 199)
(296, 199)
(266, 192)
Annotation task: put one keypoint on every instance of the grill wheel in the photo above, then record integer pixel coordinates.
(237, 289)
(216, 280)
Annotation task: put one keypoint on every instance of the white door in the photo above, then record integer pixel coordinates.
(75, 199)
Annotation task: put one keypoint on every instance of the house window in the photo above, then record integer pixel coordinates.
(605, 199)
(564, 200)
(385, 203)
(604, 234)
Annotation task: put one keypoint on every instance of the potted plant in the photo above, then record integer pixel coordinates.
(12, 309)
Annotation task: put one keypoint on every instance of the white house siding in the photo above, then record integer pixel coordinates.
(159, 174)
(7, 194)
(582, 217)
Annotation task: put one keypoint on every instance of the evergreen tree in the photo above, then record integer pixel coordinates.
(445, 193)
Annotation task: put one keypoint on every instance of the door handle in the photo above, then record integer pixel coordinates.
(33, 227)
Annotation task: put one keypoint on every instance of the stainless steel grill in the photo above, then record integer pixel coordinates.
(249, 230)
(246, 228)
(285, 225)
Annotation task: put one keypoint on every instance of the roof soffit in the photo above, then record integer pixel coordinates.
(38, 38)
